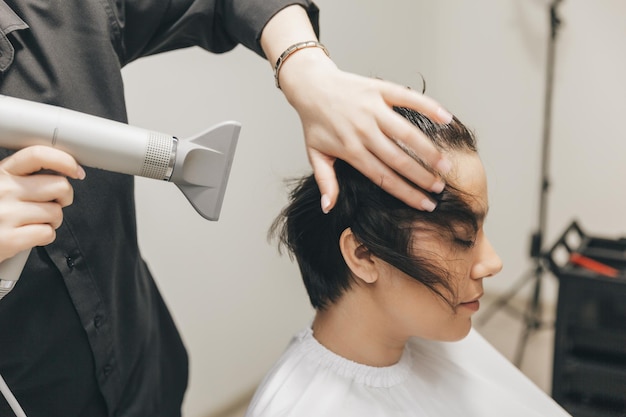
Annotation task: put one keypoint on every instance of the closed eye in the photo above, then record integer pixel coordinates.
(466, 243)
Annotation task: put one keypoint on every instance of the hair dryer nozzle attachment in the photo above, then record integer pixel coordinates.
(203, 165)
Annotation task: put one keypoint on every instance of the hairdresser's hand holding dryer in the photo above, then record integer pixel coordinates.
(31, 208)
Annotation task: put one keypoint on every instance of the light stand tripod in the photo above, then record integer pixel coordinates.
(532, 316)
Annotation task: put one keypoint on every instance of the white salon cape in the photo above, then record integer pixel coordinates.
(469, 378)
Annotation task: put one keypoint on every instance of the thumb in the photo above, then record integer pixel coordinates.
(324, 172)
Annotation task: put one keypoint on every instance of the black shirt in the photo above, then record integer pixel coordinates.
(85, 331)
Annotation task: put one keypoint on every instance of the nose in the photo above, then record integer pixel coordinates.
(488, 262)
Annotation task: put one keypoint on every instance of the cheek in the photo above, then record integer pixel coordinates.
(410, 299)
(459, 272)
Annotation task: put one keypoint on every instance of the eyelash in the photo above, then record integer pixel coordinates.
(465, 243)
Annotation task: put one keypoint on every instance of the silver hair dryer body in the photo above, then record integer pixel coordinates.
(199, 166)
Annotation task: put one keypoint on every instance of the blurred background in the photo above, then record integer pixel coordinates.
(236, 301)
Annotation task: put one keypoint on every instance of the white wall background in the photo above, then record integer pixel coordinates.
(236, 301)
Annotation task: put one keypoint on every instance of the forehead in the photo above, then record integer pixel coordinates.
(469, 176)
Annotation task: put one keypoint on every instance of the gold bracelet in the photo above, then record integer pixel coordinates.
(290, 51)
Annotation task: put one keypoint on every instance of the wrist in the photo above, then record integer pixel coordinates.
(308, 68)
(297, 48)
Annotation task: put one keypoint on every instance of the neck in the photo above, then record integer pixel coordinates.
(358, 332)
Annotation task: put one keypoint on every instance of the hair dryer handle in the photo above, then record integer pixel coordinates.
(10, 271)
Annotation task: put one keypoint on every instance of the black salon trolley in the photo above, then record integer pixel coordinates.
(589, 373)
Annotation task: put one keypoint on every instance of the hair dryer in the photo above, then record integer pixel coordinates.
(199, 166)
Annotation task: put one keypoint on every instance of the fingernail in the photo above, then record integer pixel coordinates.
(428, 205)
(80, 173)
(438, 187)
(443, 166)
(444, 115)
(325, 204)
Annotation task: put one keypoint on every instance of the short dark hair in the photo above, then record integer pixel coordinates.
(383, 224)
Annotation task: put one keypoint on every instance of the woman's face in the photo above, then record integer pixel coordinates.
(412, 309)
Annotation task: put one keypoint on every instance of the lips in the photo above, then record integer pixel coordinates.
(473, 304)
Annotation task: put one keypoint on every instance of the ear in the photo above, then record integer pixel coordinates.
(359, 259)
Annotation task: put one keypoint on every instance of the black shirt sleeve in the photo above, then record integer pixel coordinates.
(148, 27)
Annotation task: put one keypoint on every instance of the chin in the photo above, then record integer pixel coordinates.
(459, 332)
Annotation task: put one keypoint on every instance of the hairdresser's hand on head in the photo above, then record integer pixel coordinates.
(33, 191)
(348, 116)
